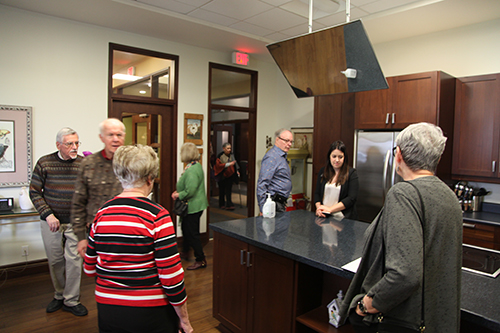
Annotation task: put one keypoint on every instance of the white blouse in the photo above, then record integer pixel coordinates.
(331, 197)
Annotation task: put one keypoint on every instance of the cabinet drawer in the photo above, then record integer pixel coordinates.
(479, 234)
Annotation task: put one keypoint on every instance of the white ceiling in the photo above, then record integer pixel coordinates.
(248, 25)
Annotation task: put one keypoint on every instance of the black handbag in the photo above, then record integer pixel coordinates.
(181, 207)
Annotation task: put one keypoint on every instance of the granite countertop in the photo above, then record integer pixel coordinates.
(328, 244)
(490, 214)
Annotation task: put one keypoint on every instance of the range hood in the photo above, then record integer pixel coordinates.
(335, 60)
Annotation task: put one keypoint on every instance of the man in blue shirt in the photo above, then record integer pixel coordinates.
(275, 177)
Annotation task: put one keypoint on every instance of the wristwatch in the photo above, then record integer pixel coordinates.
(362, 307)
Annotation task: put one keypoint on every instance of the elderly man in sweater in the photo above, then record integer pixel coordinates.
(52, 186)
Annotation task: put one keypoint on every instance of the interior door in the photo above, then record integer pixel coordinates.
(161, 134)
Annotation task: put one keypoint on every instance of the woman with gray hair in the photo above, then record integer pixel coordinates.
(132, 251)
(191, 187)
(410, 271)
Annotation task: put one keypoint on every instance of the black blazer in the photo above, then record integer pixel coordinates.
(348, 193)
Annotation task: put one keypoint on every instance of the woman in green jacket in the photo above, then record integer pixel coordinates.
(191, 187)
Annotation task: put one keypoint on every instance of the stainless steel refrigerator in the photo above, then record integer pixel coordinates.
(374, 162)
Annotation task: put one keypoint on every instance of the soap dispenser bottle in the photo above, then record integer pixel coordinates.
(269, 209)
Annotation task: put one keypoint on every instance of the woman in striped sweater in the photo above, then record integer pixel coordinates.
(133, 252)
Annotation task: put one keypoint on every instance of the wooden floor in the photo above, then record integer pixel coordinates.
(23, 301)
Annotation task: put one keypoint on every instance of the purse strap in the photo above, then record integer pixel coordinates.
(422, 219)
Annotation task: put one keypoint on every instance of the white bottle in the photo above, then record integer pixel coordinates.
(269, 209)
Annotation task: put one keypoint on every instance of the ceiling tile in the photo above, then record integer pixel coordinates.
(238, 9)
(382, 5)
(276, 2)
(196, 3)
(300, 8)
(212, 17)
(278, 36)
(277, 19)
(252, 29)
(171, 5)
(339, 18)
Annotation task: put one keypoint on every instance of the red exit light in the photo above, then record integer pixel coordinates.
(240, 58)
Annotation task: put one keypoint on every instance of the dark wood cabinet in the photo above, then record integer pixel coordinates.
(373, 108)
(422, 97)
(477, 128)
(250, 284)
(481, 234)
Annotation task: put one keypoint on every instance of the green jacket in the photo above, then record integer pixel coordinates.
(191, 187)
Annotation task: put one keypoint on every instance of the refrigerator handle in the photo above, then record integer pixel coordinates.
(393, 172)
(386, 168)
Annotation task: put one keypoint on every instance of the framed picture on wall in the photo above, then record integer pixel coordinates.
(15, 146)
(303, 139)
(193, 128)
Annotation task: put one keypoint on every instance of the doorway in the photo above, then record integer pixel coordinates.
(143, 94)
(232, 120)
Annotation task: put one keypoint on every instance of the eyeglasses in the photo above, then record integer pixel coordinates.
(70, 144)
(286, 141)
(394, 150)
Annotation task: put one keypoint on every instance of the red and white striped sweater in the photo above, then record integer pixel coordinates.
(133, 252)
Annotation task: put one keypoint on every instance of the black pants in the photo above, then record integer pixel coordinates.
(131, 319)
(190, 226)
(225, 192)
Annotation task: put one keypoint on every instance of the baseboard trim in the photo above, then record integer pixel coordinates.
(26, 268)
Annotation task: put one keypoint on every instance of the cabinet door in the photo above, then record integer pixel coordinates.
(373, 108)
(477, 114)
(271, 282)
(415, 99)
(230, 286)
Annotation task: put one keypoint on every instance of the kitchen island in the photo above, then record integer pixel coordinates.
(284, 271)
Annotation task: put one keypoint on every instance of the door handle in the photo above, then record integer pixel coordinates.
(387, 118)
(242, 257)
(469, 225)
(393, 118)
(248, 259)
(493, 166)
(386, 168)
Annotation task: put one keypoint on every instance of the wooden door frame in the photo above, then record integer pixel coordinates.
(252, 132)
(167, 154)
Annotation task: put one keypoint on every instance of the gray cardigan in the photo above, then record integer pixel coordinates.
(391, 266)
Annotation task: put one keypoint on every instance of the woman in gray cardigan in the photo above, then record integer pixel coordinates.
(388, 283)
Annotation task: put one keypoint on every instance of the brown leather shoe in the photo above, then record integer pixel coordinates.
(197, 264)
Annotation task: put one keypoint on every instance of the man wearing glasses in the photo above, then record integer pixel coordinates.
(96, 182)
(51, 189)
(275, 177)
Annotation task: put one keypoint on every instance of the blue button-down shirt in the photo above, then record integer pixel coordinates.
(274, 176)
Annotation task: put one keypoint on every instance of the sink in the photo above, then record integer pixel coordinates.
(480, 260)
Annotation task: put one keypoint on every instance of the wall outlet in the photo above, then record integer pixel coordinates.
(25, 249)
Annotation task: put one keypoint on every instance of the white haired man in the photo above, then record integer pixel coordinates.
(96, 182)
(51, 188)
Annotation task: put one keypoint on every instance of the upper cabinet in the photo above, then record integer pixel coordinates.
(410, 99)
(477, 128)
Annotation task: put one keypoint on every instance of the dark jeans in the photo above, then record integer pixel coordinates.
(225, 192)
(131, 319)
(190, 226)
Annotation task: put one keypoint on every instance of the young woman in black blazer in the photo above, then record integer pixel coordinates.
(328, 198)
